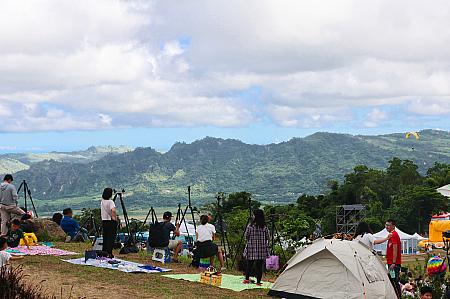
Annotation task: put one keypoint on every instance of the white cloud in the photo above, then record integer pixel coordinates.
(430, 106)
(87, 65)
(375, 117)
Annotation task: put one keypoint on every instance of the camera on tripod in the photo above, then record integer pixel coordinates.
(118, 193)
(446, 234)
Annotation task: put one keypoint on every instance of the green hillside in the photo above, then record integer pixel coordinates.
(8, 165)
(274, 172)
(11, 163)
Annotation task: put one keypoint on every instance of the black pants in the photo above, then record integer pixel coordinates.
(258, 264)
(109, 235)
(396, 279)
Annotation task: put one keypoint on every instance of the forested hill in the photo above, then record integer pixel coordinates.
(278, 172)
(22, 161)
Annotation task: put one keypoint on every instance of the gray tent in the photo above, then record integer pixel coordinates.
(334, 269)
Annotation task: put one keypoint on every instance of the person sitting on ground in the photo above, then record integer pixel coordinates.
(205, 245)
(364, 235)
(168, 227)
(15, 234)
(4, 256)
(69, 225)
(57, 217)
(426, 292)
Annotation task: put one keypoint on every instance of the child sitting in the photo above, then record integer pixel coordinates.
(15, 234)
(5, 257)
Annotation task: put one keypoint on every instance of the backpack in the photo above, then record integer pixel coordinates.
(129, 246)
(157, 238)
(129, 249)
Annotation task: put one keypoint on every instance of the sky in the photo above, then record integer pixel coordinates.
(150, 73)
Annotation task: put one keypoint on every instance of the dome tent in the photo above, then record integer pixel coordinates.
(334, 269)
(409, 242)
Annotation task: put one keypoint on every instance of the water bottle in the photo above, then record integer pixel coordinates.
(392, 273)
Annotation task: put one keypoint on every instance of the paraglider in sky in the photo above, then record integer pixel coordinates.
(415, 134)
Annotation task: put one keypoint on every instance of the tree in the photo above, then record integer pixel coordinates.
(413, 207)
(293, 223)
(239, 200)
(85, 218)
(403, 172)
(375, 214)
(310, 205)
(438, 175)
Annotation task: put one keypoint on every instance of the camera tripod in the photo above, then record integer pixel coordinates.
(182, 217)
(275, 235)
(27, 192)
(221, 227)
(91, 227)
(446, 240)
(131, 241)
(151, 213)
(249, 220)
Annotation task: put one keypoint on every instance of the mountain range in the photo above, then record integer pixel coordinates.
(274, 172)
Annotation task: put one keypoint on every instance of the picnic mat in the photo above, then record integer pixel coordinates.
(38, 250)
(124, 266)
(230, 282)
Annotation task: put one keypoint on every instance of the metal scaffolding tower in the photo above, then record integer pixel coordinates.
(348, 217)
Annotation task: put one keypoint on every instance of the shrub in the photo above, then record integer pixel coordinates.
(13, 285)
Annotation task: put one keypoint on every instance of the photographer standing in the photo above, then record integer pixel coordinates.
(109, 221)
(8, 202)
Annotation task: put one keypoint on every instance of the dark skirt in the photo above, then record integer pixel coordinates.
(206, 249)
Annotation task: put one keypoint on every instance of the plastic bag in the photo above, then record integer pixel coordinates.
(273, 263)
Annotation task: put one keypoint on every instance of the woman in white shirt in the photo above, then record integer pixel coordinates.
(205, 245)
(364, 235)
(109, 221)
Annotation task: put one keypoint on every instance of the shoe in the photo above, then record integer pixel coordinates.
(218, 273)
(223, 268)
(246, 281)
(259, 284)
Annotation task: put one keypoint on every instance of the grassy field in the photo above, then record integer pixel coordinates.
(64, 280)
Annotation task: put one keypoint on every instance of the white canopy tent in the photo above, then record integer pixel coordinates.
(444, 190)
(190, 229)
(409, 242)
(419, 237)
